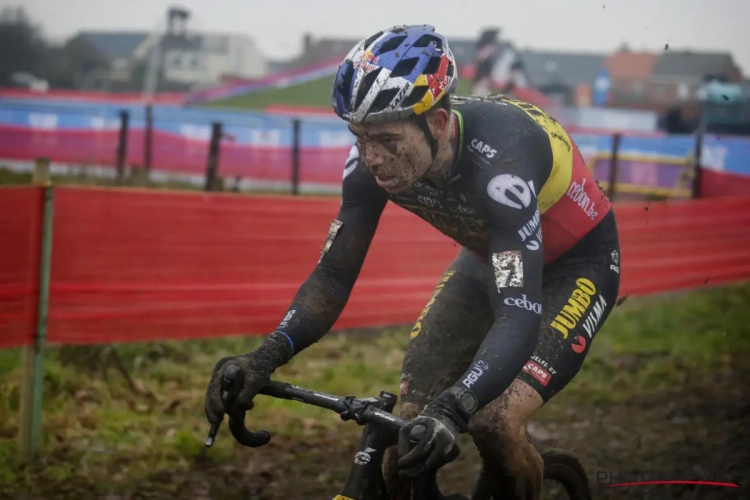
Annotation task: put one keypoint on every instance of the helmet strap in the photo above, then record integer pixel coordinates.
(422, 122)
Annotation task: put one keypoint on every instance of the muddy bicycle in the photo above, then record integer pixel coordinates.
(365, 480)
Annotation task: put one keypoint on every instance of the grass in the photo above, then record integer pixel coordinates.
(315, 93)
(102, 436)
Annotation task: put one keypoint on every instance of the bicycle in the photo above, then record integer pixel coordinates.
(365, 480)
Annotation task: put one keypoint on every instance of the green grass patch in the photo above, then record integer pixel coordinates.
(104, 434)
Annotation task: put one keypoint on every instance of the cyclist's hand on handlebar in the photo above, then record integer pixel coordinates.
(235, 382)
(433, 444)
(233, 399)
(432, 439)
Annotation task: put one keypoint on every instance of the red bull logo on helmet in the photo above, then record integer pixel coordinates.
(367, 62)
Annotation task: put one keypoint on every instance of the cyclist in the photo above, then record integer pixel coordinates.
(511, 320)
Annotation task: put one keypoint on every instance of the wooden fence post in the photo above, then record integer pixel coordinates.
(30, 416)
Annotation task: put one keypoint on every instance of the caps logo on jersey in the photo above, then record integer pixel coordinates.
(482, 148)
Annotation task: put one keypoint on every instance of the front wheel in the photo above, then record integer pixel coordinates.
(560, 466)
(564, 467)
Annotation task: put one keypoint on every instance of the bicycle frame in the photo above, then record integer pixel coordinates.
(365, 480)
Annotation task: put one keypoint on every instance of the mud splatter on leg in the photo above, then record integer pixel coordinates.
(514, 466)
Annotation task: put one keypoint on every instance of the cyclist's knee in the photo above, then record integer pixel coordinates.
(515, 467)
(501, 425)
(494, 430)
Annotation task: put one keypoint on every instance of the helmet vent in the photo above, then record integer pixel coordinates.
(425, 40)
(383, 100)
(365, 86)
(405, 66)
(345, 82)
(416, 95)
(372, 39)
(433, 66)
(391, 44)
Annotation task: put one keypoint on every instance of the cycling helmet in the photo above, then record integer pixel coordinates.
(395, 73)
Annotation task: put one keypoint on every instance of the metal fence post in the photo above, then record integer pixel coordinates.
(148, 137)
(295, 154)
(697, 166)
(213, 156)
(122, 145)
(612, 191)
(30, 418)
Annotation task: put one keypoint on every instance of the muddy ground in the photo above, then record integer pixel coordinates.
(688, 433)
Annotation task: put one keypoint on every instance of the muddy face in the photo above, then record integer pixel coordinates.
(397, 153)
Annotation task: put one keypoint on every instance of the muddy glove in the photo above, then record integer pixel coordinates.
(443, 419)
(256, 367)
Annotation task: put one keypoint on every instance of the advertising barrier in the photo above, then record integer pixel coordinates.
(258, 148)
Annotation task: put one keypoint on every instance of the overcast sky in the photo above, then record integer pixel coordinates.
(581, 25)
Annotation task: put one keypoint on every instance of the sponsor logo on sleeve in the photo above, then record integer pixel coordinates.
(511, 191)
(508, 268)
(476, 371)
(523, 303)
(531, 232)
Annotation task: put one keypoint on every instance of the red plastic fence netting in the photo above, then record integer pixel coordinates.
(141, 265)
(20, 236)
(683, 244)
(133, 265)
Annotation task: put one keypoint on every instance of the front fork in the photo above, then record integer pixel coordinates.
(365, 480)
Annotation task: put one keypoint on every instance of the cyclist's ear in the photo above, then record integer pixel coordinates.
(438, 120)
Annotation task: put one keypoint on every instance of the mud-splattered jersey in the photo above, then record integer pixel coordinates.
(519, 195)
(512, 156)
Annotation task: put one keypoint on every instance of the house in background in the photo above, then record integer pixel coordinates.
(562, 76)
(629, 72)
(190, 61)
(103, 60)
(119, 61)
(679, 76)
